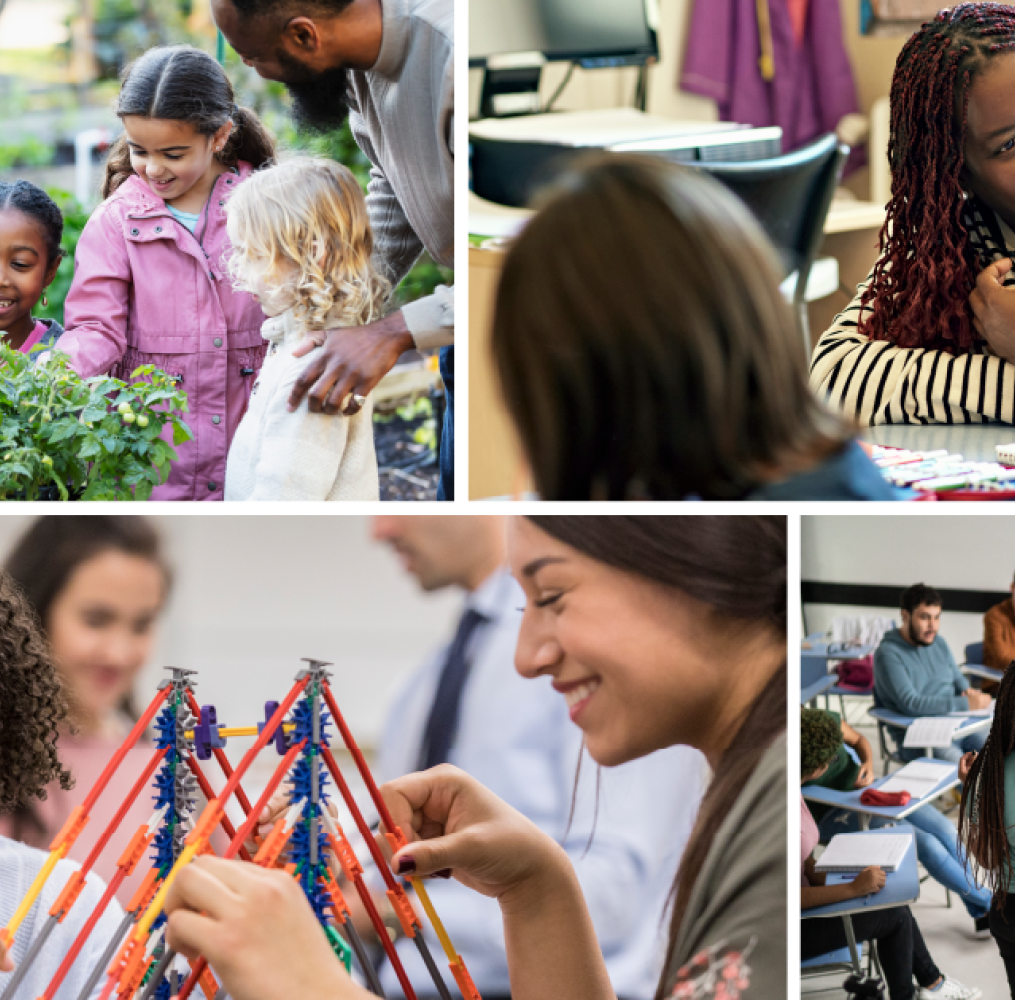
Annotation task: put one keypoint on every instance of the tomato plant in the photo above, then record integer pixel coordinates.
(85, 439)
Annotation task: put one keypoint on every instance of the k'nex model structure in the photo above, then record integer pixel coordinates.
(138, 963)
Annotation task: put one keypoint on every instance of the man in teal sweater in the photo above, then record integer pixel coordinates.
(915, 673)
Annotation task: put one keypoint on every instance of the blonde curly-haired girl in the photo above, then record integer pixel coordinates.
(302, 244)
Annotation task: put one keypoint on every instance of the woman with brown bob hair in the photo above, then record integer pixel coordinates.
(657, 631)
(645, 351)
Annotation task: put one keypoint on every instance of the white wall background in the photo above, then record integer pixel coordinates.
(254, 594)
(962, 552)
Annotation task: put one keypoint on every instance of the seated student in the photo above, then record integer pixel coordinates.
(32, 706)
(937, 846)
(901, 949)
(645, 351)
(915, 673)
(31, 228)
(999, 633)
(917, 344)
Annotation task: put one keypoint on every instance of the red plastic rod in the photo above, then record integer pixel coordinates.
(219, 753)
(100, 845)
(128, 743)
(361, 764)
(79, 941)
(361, 823)
(209, 794)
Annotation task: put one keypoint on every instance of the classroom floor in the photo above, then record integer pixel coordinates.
(957, 950)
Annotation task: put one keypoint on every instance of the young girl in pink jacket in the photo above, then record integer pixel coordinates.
(149, 283)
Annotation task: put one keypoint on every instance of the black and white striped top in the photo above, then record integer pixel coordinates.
(876, 382)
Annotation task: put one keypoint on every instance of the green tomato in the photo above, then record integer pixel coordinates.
(142, 420)
(46, 460)
(124, 408)
(128, 417)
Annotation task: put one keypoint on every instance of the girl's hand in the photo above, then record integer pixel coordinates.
(6, 962)
(866, 775)
(965, 764)
(453, 822)
(869, 881)
(257, 931)
(993, 308)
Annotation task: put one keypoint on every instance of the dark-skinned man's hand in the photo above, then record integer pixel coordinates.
(350, 360)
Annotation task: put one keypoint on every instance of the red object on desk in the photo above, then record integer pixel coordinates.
(872, 797)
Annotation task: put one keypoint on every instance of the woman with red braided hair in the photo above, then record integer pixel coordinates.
(930, 336)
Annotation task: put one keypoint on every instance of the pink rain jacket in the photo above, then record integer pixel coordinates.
(148, 291)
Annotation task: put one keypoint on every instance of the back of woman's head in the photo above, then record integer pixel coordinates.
(919, 292)
(32, 704)
(983, 828)
(183, 84)
(643, 347)
(49, 552)
(300, 230)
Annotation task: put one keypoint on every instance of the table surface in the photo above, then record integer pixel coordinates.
(851, 799)
(970, 723)
(817, 645)
(819, 687)
(975, 442)
(901, 887)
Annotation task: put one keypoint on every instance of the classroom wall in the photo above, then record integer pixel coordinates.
(966, 553)
(254, 594)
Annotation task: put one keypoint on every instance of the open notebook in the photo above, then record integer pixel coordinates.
(852, 852)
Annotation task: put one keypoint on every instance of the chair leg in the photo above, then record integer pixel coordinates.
(948, 897)
(851, 941)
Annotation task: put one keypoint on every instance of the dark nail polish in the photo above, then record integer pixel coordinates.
(443, 873)
(406, 865)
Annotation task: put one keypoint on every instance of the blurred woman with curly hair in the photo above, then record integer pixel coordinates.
(32, 708)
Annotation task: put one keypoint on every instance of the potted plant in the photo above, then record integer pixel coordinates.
(63, 437)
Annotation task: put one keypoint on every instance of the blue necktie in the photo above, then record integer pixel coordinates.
(443, 722)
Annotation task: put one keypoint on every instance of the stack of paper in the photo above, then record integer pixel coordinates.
(852, 852)
(919, 778)
(931, 732)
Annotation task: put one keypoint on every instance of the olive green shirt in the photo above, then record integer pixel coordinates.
(736, 915)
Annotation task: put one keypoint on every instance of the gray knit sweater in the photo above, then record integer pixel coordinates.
(403, 115)
(18, 867)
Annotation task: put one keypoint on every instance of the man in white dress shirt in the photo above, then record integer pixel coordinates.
(624, 828)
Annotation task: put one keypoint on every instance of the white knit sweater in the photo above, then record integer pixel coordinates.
(18, 867)
(278, 455)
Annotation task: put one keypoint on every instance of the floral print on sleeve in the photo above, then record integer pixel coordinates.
(720, 972)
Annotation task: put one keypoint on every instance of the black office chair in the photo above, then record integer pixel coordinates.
(790, 196)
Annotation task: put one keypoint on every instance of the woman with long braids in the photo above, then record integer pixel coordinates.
(987, 819)
(916, 344)
(32, 710)
(657, 631)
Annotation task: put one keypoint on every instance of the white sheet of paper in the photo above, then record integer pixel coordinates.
(931, 732)
(919, 778)
(974, 713)
(852, 852)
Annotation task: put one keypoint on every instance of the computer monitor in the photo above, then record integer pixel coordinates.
(588, 32)
(513, 39)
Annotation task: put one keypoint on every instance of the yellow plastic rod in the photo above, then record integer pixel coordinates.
(442, 935)
(8, 932)
(240, 731)
(144, 924)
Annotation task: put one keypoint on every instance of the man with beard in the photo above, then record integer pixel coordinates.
(915, 673)
(389, 69)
